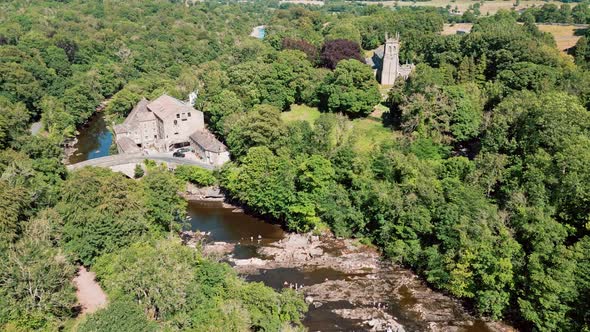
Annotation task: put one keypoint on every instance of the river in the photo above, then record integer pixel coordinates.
(345, 295)
(93, 141)
(342, 293)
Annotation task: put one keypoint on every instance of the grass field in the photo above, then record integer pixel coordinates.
(565, 36)
(489, 7)
(369, 132)
(301, 112)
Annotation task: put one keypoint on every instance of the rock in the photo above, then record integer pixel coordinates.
(309, 300)
(249, 262)
(218, 248)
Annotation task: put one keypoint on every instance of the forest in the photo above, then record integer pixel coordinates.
(478, 177)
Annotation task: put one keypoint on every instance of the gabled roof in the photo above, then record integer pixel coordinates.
(166, 106)
(139, 113)
(127, 145)
(207, 141)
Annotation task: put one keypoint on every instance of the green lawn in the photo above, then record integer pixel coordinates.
(301, 112)
(369, 132)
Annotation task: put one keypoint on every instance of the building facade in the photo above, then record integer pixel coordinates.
(385, 62)
(208, 148)
(167, 123)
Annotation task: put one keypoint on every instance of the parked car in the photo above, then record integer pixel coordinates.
(178, 154)
(185, 150)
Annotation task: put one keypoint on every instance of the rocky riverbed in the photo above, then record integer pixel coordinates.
(348, 286)
(360, 287)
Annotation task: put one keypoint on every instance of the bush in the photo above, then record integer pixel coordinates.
(138, 171)
(120, 315)
(196, 175)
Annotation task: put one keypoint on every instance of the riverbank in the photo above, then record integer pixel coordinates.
(347, 285)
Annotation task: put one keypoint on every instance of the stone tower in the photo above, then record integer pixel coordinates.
(390, 68)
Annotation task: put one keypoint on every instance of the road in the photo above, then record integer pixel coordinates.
(122, 159)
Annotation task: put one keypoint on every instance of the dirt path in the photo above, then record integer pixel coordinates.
(88, 291)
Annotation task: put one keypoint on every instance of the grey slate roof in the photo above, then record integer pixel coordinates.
(166, 106)
(207, 141)
(127, 145)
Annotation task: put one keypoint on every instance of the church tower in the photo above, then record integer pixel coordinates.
(390, 68)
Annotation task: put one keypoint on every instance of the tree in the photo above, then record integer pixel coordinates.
(138, 171)
(120, 315)
(220, 106)
(102, 212)
(154, 277)
(195, 175)
(350, 89)
(337, 50)
(301, 45)
(36, 291)
(165, 208)
(262, 126)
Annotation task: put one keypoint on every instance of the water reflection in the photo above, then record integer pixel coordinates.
(94, 140)
(229, 226)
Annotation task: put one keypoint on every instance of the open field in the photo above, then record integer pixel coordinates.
(490, 7)
(369, 132)
(301, 112)
(565, 35)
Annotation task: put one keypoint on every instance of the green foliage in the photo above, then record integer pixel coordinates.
(482, 187)
(165, 208)
(138, 171)
(102, 212)
(119, 315)
(175, 286)
(195, 175)
(262, 126)
(350, 89)
(35, 282)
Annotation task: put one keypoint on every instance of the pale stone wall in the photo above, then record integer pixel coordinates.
(210, 157)
(178, 128)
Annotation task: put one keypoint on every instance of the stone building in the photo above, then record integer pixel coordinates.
(385, 62)
(164, 124)
(208, 147)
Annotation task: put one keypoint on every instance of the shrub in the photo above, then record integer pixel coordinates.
(196, 175)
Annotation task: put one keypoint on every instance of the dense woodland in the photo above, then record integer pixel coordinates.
(482, 185)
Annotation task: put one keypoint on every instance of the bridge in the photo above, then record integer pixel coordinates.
(125, 163)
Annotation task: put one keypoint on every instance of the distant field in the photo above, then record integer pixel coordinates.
(490, 7)
(565, 35)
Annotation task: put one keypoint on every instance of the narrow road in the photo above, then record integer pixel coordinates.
(122, 159)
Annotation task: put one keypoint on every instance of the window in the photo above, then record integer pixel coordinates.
(184, 119)
(176, 133)
(188, 114)
(146, 137)
(175, 122)
(177, 116)
(155, 136)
